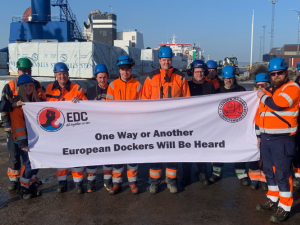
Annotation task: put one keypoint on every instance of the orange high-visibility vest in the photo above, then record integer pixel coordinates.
(156, 87)
(279, 109)
(120, 90)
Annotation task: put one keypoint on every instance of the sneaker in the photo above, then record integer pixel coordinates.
(115, 189)
(153, 188)
(62, 186)
(253, 185)
(214, 178)
(108, 185)
(79, 188)
(245, 181)
(173, 188)
(267, 206)
(296, 182)
(13, 186)
(134, 188)
(90, 186)
(203, 179)
(264, 186)
(280, 215)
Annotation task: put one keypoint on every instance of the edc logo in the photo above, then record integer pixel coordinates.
(233, 110)
(50, 119)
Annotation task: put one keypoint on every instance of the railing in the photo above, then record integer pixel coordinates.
(37, 18)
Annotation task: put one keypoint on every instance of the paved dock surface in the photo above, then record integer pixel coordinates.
(225, 202)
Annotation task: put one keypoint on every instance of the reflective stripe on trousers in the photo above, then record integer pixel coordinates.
(91, 173)
(13, 175)
(117, 174)
(107, 172)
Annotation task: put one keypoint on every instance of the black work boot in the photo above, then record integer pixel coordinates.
(24, 193)
(62, 186)
(245, 181)
(296, 182)
(108, 185)
(214, 178)
(91, 186)
(264, 186)
(13, 186)
(79, 188)
(280, 216)
(203, 179)
(253, 185)
(267, 206)
(34, 189)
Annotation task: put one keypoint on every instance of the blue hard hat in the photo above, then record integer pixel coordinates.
(228, 72)
(24, 78)
(198, 64)
(262, 77)
(165, 52)
(125, 61)
(277, 64)
(60, 67)
(211, 64)
(298, 66)
(100, 68)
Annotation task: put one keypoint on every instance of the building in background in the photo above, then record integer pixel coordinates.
(288, 52)
(133, 39)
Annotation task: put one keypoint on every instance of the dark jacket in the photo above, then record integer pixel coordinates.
(96, 93)
(236, 88)
(201, 89)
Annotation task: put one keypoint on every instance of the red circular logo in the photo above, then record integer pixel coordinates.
(51, 119)
(233, 109)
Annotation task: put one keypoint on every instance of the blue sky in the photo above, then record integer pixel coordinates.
(222, 27)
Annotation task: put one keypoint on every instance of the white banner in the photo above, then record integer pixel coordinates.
(214, 128)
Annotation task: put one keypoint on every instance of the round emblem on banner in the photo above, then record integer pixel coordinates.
(233, 110)
(51, 119)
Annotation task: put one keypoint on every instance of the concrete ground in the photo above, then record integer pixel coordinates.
(225, 202)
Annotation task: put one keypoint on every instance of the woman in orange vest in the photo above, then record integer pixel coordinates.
(27, 93)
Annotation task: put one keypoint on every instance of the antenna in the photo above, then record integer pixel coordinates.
(273, 21)
(111, 10)
(264, 32)
(260, 56)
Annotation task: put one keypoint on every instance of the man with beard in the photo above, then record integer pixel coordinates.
(212, 76)
(230, 85)
(278, 111)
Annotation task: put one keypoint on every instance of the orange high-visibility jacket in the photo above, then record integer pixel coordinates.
(156, 87)
(216, 82)
(55, 93)
(279, 109)
(18, 127)
(120, 90)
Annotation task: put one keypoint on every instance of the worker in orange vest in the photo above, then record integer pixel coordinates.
(10, 91)
(27, 93)
(124, 88)
(278, 111)
(62, 89)
(165, 82)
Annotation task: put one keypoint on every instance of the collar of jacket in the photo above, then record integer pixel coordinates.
(56, 85)
(169, 71)
(131, 78)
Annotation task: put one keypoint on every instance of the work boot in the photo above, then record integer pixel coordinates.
(35, 185)
(34, 190)
(79, 188)
(296, 182)
(264, 186)
(173, 188)
(108, 185)
(185, 181)
(267, 206)
(24, 193)
(90, 186)
(13, 186)
(134, 188)
(203, 179)
(214, 178)
(253, 185)
(115, 189)
(153, 188)
(280, 215)
(245, 181)
(62, 186)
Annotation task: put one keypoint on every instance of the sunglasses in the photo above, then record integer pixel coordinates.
(260, 85)
(277, 73)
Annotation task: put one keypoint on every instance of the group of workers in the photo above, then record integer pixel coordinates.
(276, 126)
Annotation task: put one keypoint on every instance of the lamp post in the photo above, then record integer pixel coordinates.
(298, 29)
